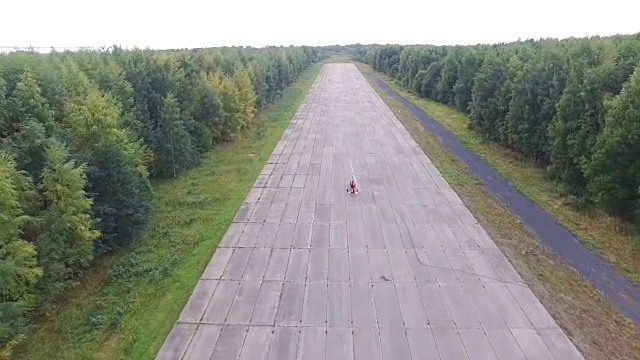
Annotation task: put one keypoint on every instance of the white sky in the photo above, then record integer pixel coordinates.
(190, 23)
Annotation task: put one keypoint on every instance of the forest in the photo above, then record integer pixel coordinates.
(83, 133)
(571, 106)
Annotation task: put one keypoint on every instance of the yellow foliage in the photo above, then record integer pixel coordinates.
(93, 117)
(242, 79)
(149, 157)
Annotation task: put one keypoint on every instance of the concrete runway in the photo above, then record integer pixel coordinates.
(401, 270)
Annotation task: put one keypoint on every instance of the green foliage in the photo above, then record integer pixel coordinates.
(416, 84)
(246, 95)
(578, 121)
(125, 116)
(488, 105)
(117, 317)
(116, 174)
(431, 80)
(469, 66)
(19, 270)
(173, 143)
(614, 172)
(546, 99)
(125, 308)
(206, 111)
(448, 78)
(29, 122)
(65, 244)
(4, 121)
(231, 113)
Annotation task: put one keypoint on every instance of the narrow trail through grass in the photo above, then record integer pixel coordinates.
(127, 304)
(597, 329)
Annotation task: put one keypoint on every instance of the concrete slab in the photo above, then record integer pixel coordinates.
(203, 342)
(256, 344)
(177, 342)
(218, 263)
(313, 343)
(395, 345)
(339, 343)
(413, 312)
(229, 342)
(197, 304)
(449, 343)
(366, 344)
(505, 345)
(477, 345)
(400, 267)
(220, 302)
(338, 265)
(298, 262)
(277, 265)
(402, 270)
(379, 265)
(237, 264)
(421, 344)
(264, 312)
(257, 264)
(387, 305)
(359, 270)
(290, 308)
(318, 269)
(339, 304)
(244, 302)
(315, 304)
(338, 236)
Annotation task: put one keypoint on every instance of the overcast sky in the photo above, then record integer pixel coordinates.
(190, 23)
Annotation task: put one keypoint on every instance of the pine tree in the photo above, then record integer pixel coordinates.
(429, 87)
(31, 122)
(614, 172)
(486, 110)
(504, 95)
(416, 84)
(448, 79)
(65, 245)
(206, 112)
(18, 263)
(174, 151)
(117, 177)
(284, 77)
(4, 118)
(532, 105)
(29, 102)
(578, 122)
(260, 87)
(469, 66)
(74, 82)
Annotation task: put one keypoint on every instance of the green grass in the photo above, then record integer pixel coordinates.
(604, 234)
(127, 304)
(597, 329)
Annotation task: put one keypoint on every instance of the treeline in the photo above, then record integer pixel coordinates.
(333, 50)
(82, 132)
(571, 105)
